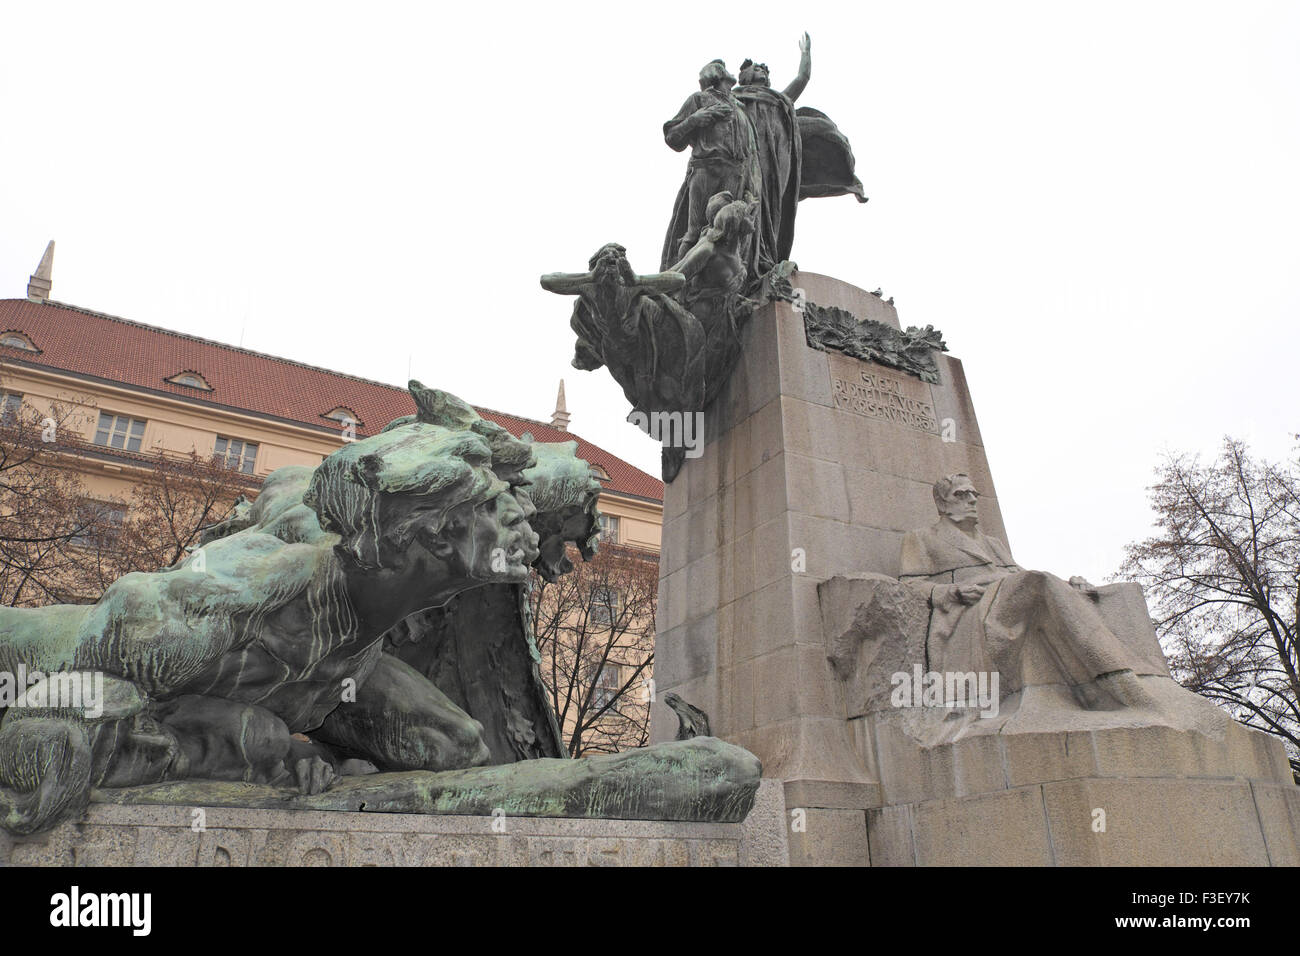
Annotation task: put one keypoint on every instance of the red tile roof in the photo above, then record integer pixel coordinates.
(108, 348)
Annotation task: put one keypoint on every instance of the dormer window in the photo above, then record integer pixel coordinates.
(343, 415)
(191, 379)
(17, 340)
(600, 472)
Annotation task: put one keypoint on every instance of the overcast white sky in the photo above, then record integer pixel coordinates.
(1098, 203)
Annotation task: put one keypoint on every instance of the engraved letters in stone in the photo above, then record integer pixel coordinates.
(865, 389)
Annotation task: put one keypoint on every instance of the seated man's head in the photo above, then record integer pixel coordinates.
(714, 75)
(754, 74)
(956, 498)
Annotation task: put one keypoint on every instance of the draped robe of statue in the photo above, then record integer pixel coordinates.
(780, 157)
(801, 154)
(828, 163)
(1029, 626)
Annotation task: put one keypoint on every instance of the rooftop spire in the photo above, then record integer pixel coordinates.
(39, 285)
(560, 418)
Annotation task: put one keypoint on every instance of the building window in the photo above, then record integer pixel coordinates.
(119, 431)
(608, 683)
(99, 524)
(344, 416)
(9, 407)
(604, 606)
(238, 455)
(191, 380)
(609, 528)
(16, 340)
(600, 472)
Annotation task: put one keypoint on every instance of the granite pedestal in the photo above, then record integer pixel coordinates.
(815, 465)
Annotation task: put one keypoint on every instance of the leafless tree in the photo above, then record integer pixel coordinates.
(58, 544)
(1223, 575)
(47, 523)
(176, 499)
(595, 633)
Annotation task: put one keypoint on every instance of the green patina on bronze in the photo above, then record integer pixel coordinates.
(700, 779)
(911, 350)
(671, 339)
(370, 609)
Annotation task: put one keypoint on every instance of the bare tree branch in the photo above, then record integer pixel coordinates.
(1223, 577)
(58, 545)
(595, 632)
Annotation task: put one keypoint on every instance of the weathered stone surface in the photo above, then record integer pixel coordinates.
(1034, 758)
(1092, 821)
(831, 291)
(828, 837)
(888, 501)
(798, 501)
(889, 836)
(831, 794)
(952, 402)
(817, 488)
(111, 835)
(874, 627)
(809, 748)
(981, 765)
(1124, 609)
(1192, 739)
(764, 840)
(998, 829)
(1154, 822)
(1279, 817)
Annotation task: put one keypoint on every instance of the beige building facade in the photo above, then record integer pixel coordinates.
(130, 390)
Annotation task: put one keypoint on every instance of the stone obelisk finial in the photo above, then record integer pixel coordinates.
(560, 417)
(39, 285)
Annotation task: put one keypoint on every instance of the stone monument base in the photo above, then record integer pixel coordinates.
(1149, 821)
(117, 835)
(1040, 780)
